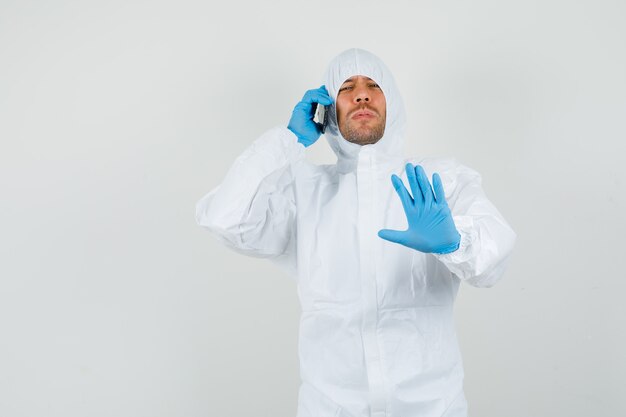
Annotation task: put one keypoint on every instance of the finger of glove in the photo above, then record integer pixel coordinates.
(424, 184)
(413, 183)
(317, 96)
(440, 195)
(403, 193)
(395, 236)
(305, 110)
(325, 92)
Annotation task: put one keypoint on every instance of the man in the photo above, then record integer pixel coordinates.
(377, 335)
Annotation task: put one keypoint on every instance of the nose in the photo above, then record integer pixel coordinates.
(361, 95)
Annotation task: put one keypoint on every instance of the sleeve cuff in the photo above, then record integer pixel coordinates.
(467, 247)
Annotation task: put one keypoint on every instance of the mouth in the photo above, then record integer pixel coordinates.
(363, 114)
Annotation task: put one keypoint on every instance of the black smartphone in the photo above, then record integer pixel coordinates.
(321, 114)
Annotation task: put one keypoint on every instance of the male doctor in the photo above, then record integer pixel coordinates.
(378, 244)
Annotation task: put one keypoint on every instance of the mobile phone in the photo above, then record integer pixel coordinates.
(321, 114)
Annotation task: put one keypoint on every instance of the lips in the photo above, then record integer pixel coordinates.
(363, 114)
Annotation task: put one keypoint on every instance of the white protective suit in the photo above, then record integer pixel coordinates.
(377, 336)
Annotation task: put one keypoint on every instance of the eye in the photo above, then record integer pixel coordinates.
(347, 87)
(374, 85)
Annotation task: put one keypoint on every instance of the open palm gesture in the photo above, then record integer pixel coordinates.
(431, 227)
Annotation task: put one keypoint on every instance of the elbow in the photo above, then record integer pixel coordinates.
(488, 273)
(203, 215)
(219, 224)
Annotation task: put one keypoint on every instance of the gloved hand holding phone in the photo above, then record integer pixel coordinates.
(431, 227)
(302, 123)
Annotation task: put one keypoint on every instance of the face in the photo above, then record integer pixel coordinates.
(361, 110)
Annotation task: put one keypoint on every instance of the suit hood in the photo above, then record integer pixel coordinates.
(360, 62)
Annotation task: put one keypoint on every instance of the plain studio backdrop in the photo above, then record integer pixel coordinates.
(117, 117)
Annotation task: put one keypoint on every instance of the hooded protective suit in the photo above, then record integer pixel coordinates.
(377, 336)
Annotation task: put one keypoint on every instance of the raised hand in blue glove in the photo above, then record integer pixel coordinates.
(301, 122)
(431, 228)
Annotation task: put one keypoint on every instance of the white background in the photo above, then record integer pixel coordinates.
(116, 117)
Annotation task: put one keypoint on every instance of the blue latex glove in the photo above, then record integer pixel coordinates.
(301, 122)
(431, 228)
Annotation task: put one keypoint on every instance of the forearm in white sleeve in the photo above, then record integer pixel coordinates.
(253, 210)
(487, 240)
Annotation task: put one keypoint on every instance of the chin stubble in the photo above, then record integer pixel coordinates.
(363, 137)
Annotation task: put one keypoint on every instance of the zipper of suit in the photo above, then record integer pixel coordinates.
(365, 182)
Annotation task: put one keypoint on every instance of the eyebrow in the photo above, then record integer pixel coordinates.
(351, 79)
